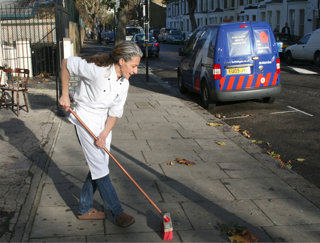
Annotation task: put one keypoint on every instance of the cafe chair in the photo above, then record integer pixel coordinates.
(17, 82)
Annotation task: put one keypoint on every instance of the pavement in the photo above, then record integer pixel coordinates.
(234, 183)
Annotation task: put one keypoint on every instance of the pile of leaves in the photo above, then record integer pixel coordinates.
(236, 233)
(181, 161)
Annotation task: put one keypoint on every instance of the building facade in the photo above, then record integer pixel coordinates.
(302, 16)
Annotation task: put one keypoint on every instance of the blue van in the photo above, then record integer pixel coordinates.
(231, 62)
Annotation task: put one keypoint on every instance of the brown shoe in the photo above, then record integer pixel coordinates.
(92, 214)
(125, 220)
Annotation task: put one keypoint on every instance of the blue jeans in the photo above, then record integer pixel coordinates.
(107, 193)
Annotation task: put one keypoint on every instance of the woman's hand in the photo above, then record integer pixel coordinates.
(101, 141)
(64, 101)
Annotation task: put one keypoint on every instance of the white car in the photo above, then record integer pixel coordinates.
(307, 48)
(132, 30)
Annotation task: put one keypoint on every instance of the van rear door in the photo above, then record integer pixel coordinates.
(247, 56)
(265, 51)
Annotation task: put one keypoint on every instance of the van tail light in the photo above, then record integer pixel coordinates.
(278, 65)
(243, 26)
(216, 71)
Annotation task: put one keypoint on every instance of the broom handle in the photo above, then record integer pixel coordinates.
(114, 159)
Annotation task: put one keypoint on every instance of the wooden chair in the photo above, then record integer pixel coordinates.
(17, 82)
(2, 84)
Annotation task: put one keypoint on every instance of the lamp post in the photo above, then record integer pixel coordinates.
(146, 33)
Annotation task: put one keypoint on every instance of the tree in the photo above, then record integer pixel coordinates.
(192, 5)
(124, 10)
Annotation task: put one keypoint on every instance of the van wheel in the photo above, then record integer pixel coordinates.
(181, 86)
(288, 57)
(206, 100)
(268, 100)
(317, 58)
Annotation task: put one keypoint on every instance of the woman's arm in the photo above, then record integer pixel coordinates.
(101, 139)
(64, 100)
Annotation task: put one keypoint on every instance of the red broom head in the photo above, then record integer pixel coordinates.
(167, 228)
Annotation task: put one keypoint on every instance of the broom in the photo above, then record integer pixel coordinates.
(167, 229)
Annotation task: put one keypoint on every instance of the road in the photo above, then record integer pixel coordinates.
(290, 127)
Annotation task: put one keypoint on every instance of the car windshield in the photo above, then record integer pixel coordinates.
(175, 32)
(133, 31)
(142, 37)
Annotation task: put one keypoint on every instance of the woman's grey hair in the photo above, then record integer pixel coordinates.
(124, 49)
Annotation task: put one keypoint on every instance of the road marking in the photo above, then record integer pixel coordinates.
(292, 110)
(302, 70)
(303, 112)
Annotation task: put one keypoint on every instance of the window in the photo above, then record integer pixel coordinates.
(292, 20)
(263, 16)
(262, 41)
(278, 21)
(304, 39)
(301, 22)
(239, 43)
(270, 17)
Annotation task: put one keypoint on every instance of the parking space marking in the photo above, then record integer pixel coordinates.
(292, 110)
(303, 112)
(302, 70)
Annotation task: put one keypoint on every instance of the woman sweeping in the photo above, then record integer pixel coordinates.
(100, 98)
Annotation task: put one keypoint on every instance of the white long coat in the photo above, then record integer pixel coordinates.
(99, 95)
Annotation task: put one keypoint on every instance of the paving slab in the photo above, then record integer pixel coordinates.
(202, 236)
(60, 239)
(207, 214)
(260, 188)
(61, 221)
(184, 190)
(65, 194)
(289, 211)
(294, 233)
(245, 170)
(194, 172)
(132, 237)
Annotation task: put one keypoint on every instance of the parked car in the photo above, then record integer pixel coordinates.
(175, 37)
(286, 41)
(108, 36)
(155, 33)
(162, 37)
(132, 30)
(153, 45)
(230, 62)
(307, 49)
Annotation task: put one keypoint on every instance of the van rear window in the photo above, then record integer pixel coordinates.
(262, 41)
(239, 43)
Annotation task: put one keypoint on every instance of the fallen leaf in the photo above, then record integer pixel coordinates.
(246, 115)
(185, 162)
(257, 141)
(214, 124)
(300, 159)
(169, 163)
(221, 143)
(246, 134)
(218, 116)
(236, 128)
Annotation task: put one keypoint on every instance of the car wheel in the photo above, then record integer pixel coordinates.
(206, 100)
(317, 58)
(268, 100)
(181, 86)
(288, 57)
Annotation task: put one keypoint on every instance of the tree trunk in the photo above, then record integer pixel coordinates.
(121, 25)
(192, 4)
